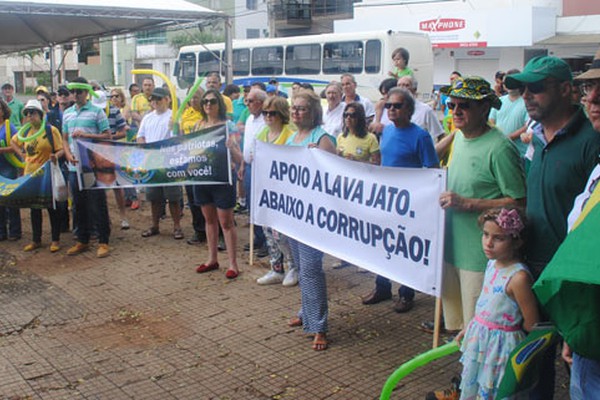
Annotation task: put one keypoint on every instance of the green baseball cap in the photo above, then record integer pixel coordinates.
(472, 88)
(540, 68)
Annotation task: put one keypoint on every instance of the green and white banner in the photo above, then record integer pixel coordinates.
(198, 158)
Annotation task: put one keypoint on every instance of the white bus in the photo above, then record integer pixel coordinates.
(316, 59)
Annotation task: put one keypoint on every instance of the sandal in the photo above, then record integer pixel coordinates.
(319, 342)
(295, 322)
(177, 234)
(150, 232)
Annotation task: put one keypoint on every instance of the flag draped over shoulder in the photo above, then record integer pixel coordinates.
(29, 191)
(569, 287)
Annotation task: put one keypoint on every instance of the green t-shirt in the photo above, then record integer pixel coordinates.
(486, 167)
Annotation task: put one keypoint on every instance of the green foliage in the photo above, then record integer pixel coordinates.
(190, 37)
(44, 78)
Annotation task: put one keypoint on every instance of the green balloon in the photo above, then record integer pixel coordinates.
(417, 362)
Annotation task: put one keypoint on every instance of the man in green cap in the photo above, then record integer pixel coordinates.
(485, 172)
(566, 151)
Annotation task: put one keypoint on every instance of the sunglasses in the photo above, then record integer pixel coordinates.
(349, 115)
(463, 106)
(534, 87)
(78, 91)
(114, 96)
(210, 101)
(395, 106)
(270, 113)
(27, 113)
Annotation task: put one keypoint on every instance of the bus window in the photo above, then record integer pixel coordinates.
(343, 57)
(187, 70)
(209, 62)
(303, 59)
(267, 60)
(241, 62)
(373, 57)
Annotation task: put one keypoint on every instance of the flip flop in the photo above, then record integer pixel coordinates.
(150, 232)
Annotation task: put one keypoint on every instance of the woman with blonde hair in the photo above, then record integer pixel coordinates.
(276, 113)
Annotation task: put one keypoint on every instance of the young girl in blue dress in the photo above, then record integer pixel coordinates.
(506, 308)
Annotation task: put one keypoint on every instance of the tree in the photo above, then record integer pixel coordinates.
(190, 37)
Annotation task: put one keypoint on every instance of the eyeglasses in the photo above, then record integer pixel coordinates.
(395, 106)
(250, 101)
(588, 87)
(114, 96)
(350, 115)
(78, 91)
(212, 101)
(270, 113)
(299, 109)
(463, 106)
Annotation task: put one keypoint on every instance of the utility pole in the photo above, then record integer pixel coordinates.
(228, 50)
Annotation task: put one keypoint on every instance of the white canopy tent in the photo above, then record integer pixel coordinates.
(34, 24)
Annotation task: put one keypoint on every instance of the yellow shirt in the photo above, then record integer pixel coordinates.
(286, 132)
(228, 105)
(361, 149)
(140, 104)
(38, 151)
(189, 119)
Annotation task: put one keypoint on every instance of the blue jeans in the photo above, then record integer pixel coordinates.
(384, 285)
(90, 206)
(585, 378)
(259, 235)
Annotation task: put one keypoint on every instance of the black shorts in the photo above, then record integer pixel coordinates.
(222, 196)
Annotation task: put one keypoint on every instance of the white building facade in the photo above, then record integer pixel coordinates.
(480, 37)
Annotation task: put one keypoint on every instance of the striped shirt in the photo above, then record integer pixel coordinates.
(88, 118)
(115, 120)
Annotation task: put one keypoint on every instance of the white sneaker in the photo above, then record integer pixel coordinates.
(270, 278)
(124, 224)
(291, 277)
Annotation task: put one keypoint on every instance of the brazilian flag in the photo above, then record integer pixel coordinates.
(521, 371)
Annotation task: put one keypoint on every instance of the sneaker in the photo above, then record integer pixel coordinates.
(447, 394)
(240, 209)
(103, 250)
(124, 224)
(271, 278)
(291, 277)
(77, 249)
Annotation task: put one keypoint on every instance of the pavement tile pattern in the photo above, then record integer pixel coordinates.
(141, 324)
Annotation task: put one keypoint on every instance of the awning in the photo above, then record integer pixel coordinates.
(35, 24)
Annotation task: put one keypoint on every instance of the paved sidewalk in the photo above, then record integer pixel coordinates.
(142, 324)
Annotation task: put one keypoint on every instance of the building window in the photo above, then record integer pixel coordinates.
(252, 33)
(251, 4)
(151, 37)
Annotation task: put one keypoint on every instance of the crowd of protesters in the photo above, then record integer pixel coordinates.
(518, 154)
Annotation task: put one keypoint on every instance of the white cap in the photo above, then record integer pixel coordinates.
(34, 105)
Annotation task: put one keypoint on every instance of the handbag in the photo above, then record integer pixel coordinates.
(59, 186)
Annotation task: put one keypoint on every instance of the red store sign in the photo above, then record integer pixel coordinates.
(442, 24)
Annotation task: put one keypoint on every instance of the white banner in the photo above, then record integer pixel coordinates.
(386, 220)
